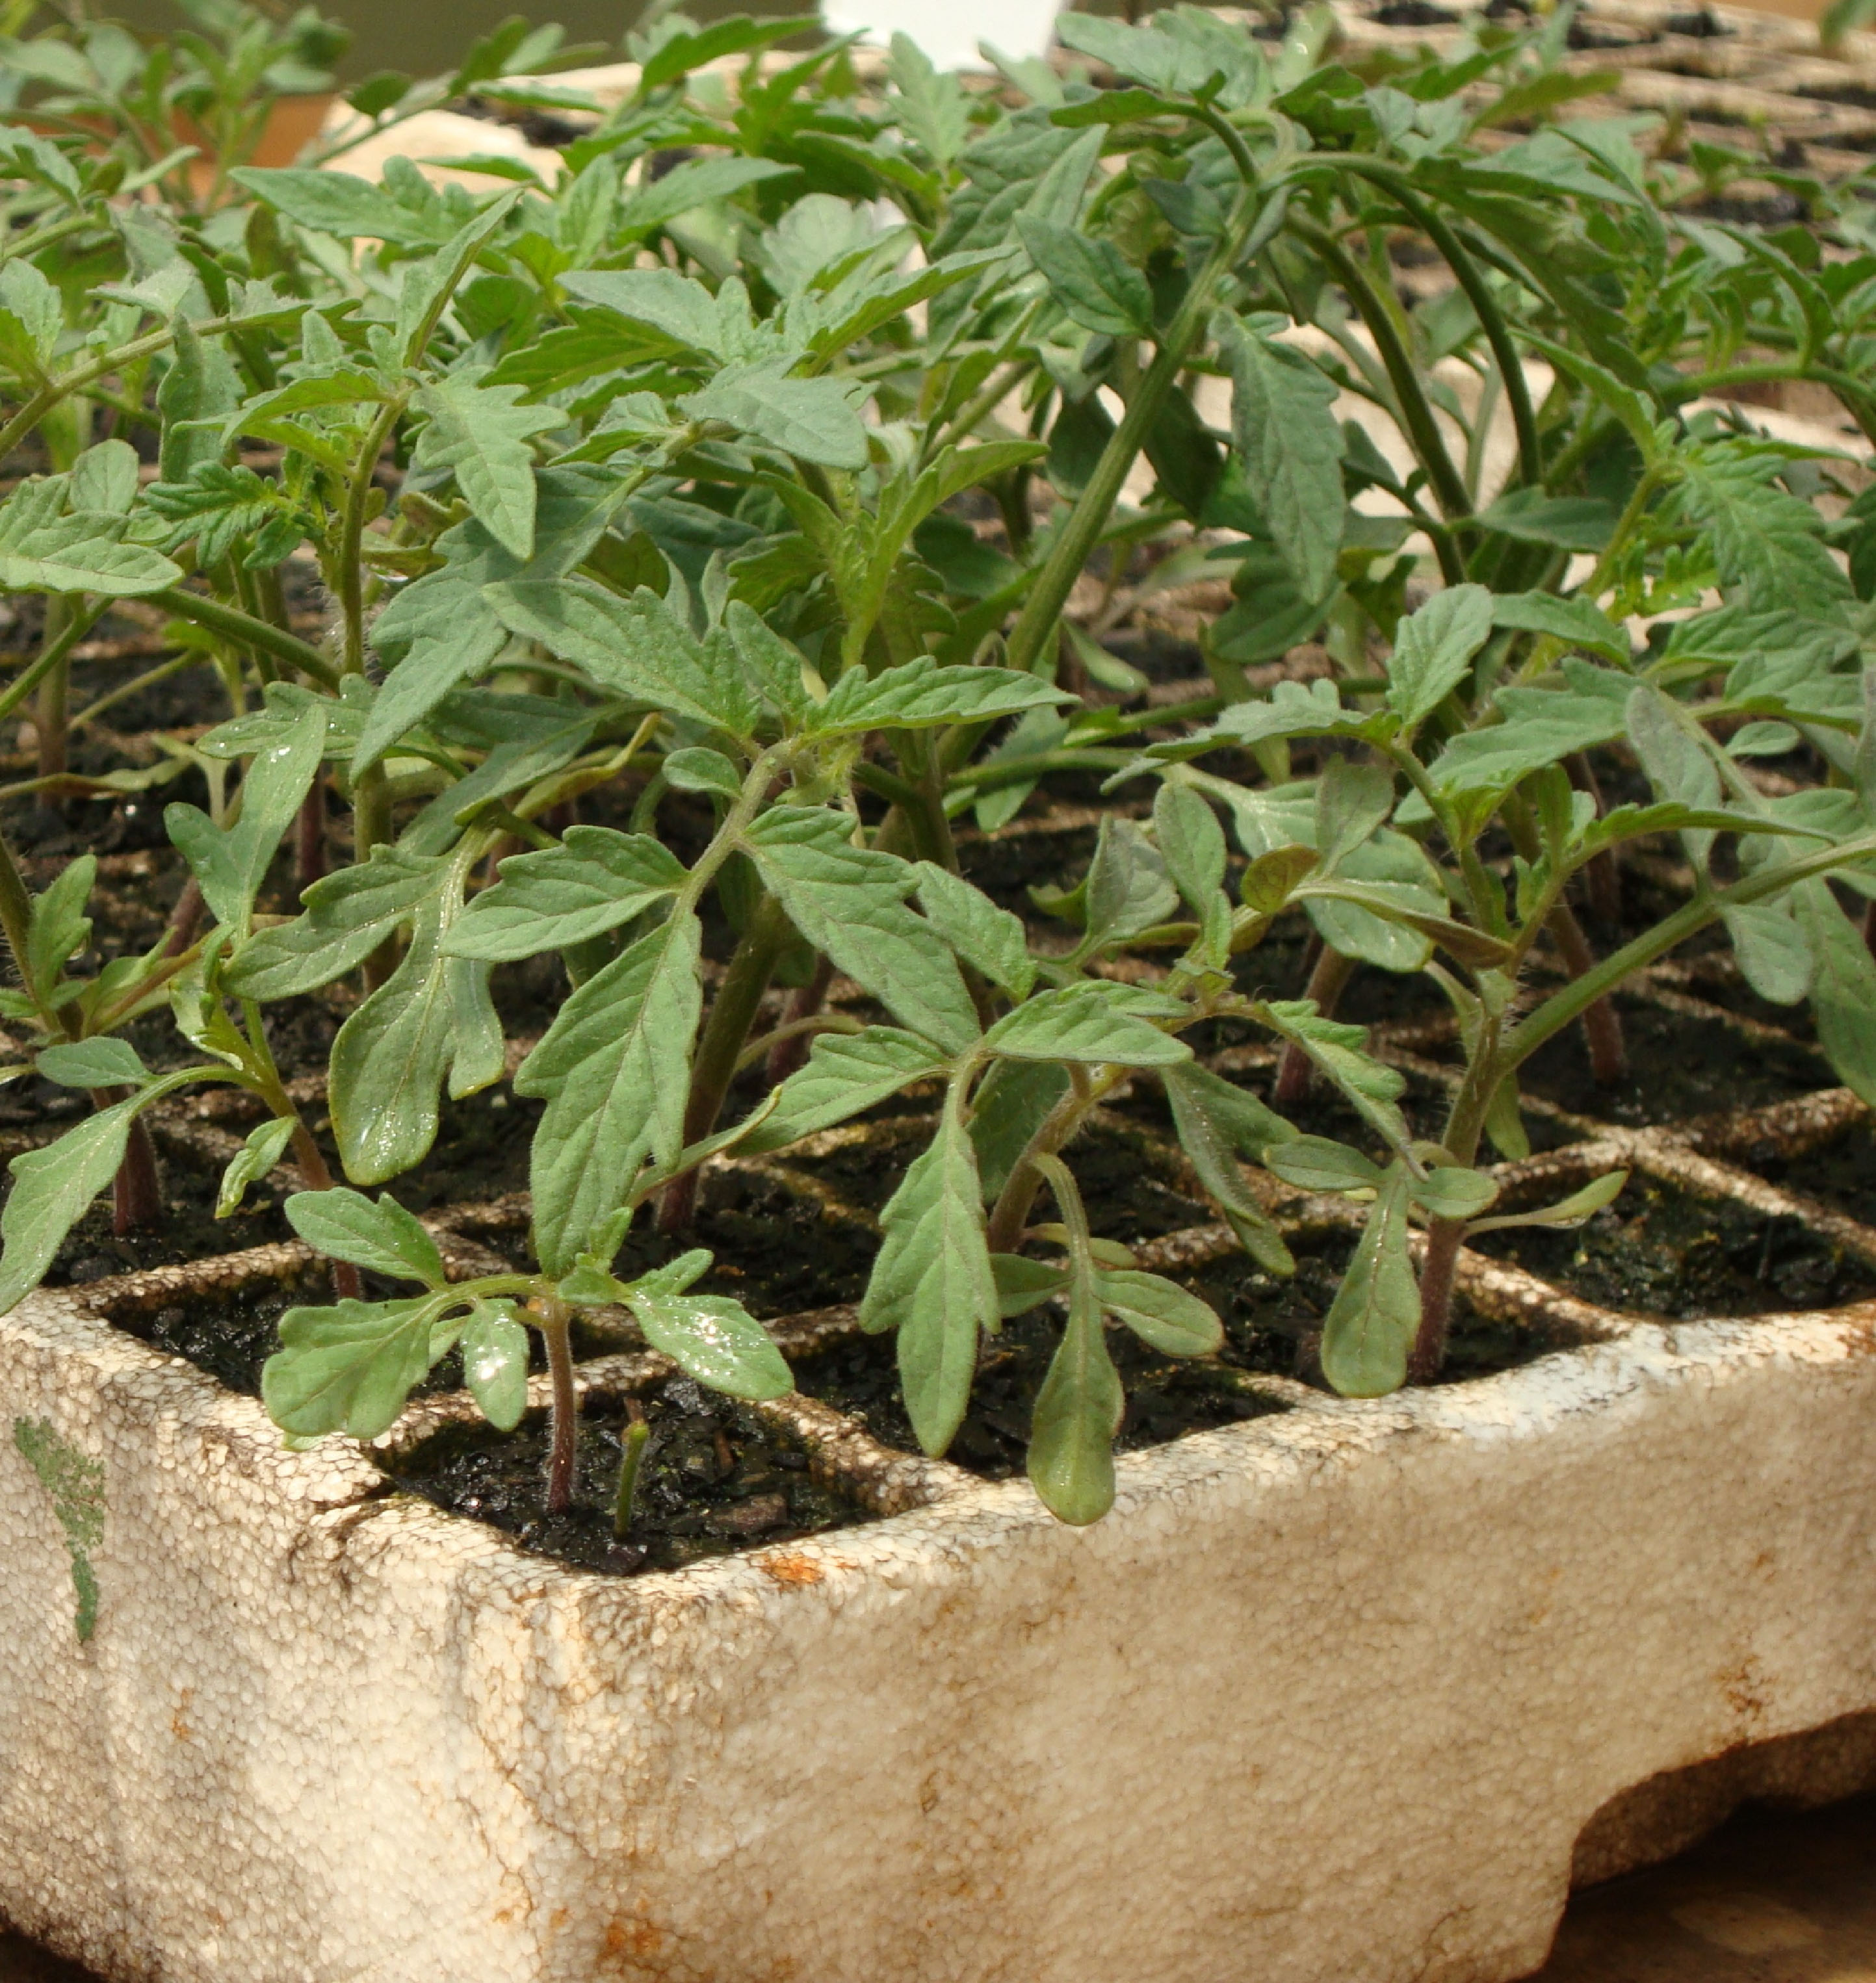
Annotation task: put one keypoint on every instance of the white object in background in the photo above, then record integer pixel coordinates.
(949, 34)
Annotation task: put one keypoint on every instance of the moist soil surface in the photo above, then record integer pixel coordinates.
(715, 1477)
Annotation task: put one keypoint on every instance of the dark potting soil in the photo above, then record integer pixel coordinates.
(1840, 1173)
(1660, 1250)
(715, 1477)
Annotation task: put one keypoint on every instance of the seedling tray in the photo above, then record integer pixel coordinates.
(1334, 1694)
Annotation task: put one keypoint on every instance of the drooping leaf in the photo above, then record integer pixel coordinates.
(1160, 1311)
(1315, 1163)
(1077, 1411)
(1843, 994)
(347, 915)
(264, 1148)
(349, 1368)
(1217, 1122)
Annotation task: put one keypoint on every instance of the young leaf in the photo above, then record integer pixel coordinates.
(1128, 888)
(1338, 1051)
(1570, 1211)
(597, 879)
(813, 419)
(1433, 648)
(1192, 843)
(59, 928)
(96, 1063)
(1160, 1311)
(345, 1226)
(919, 693)
(1678, 768)
(494, 1347)
(1773, 953)
(1077, 1411)
(990, 939)
(1371, 1323)
(1315, 1163)
(614, 1071)
(265, 1147)
(846, 1073)
(52, 1188)
(932, 1282)
(716, 1341)
(349, 1368)
(1352, 800)
(1023, 1284)
(1450, 1192)
(698, 770)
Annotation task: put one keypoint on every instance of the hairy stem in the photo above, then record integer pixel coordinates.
(1327, 982)
(551, 1318)
(136, 1191)
(804, 1003)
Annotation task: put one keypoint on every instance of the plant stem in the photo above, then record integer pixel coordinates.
(636, 1433)
(1602, 1026)
(51, 656)
(51, 711)
(1076, 540)
(310, 837)
(551, 1317)
(1444, 1237)
(804, 1003)
(731, 1015)
(136, 1191)
(1328, 981)
(1011, 1213)
(232, 624)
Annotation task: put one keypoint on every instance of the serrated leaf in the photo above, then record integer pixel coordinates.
(1191, 842)
(716, 1341)
(1433, 648)
(349, 1368)
(614, 1070)
(919, 693)
(1284, 429)
(78, 552)
(494, 1345)
(813, 419)
(846, 1073)
(1089, 278)
(265, 1147)
(104, 1062)
(1580, 621)
(347, 1225)
(1127, 889)
(347, 915)
(1080, 1022)
(481, 434)
(932, 1282)
(1339, 1051)
(1351, 800)
(1564, 522)
(990, 939)
(1375, 1314)
(597, 879)
(846, 901)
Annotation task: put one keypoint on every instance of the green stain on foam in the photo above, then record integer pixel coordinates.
(74, 1484)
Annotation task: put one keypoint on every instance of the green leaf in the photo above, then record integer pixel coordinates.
(1842, 996)
(1023, 1284)
(1434, 649)
(813, 419)
(1570, 1211)
(345, 1226)
(1581, 622)
(343, 204)
(1338, 1051)
(697, 183)
(231, 863)
(919, 693)
(348, 914)
(1678, 767)
(846, 1073)
(1375, 1314)
(1077, 1411)
(1160, 1311)
(79, 553)
(846, 901)
(1191, 842)
(59, 929)
(1540, 727)
(697, 770)
(52, 1190)
(1565, 523)
(482, 435)
(932, 1282)
(597, 879)
(779, 666)
(677, 307)
(716, 1341)
(1083, 1022)
(1315, 1163)
(349, 1368)
(1353, 800)
(1765, 540)
(1011, 1103)
(494, 1345)
(1450, 1193)
(1089, 278)
(1285, 432)
(1773, 953)
(265, 1147)
(96, 1063)
(1127, 889)
(931, 108)
(614, 1069)
(636, 647)
(990, 939)
(1217, 1121)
